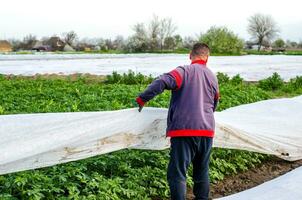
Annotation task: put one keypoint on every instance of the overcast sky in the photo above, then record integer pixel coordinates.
(97, 18)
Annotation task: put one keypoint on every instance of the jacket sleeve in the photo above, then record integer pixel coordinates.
(167, 81)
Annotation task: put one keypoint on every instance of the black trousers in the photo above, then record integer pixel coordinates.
(186, 150)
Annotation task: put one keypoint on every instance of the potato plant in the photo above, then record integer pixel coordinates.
(126, 174)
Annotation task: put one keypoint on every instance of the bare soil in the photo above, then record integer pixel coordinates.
(265, 171)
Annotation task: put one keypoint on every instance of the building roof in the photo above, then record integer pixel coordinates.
(38, 44)
(5, 46)
(67, 47)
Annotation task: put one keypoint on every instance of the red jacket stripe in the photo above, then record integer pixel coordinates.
(140, 101)
(186, 132)
(176, 75)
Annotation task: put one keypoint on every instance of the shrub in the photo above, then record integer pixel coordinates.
(222, 41)
(129, 78)
(222, 78)
(237, 80)
(274, 82)
(296, 83)
(279, 43)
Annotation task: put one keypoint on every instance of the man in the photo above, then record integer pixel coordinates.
(190, 120)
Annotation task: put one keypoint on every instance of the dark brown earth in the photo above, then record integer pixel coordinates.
(265, 171)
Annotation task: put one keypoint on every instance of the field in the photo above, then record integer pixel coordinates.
(297, 52)
(126, 174)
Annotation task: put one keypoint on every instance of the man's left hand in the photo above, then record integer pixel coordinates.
(140, 103)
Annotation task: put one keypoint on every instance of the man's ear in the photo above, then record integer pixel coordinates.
(190, 55)
(207, 58)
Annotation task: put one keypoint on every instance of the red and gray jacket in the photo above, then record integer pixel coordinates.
(195, 95)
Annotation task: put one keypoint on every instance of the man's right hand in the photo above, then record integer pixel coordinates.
(140, 103)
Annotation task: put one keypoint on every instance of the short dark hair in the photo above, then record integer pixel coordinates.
(200, 49)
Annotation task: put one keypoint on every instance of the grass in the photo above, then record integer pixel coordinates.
(287, 52)
(294, 52)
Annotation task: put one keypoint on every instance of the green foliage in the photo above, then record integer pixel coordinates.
(222, 40)
(234, 95)
(296, 83)
(130, 78)
(236, 80)
(119, 175)
(256, 52)
(279, 43)
(126, 174)
(294, 86)
(293, 52)
(287, 52)
(224, 78)
(227, 162)
(274, 82)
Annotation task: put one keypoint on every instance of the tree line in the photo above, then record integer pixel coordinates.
(159, 35)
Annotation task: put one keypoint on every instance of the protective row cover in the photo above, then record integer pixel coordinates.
(285, 187)
(31, 141)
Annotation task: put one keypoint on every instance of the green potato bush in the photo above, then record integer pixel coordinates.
(126, 174)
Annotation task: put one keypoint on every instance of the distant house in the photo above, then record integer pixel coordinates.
(84, 47)
(250, 45)
(52, 44)
(39, 46)
(5, 46)
(67, 47)
(55, 43)
(97, 48)
(254, 46)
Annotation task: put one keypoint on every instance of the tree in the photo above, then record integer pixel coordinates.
(222, 40)
(16, 44)
(109, 44)
(166, 30)
(70, 37)
(188, 42)
(101, 43)
(178, 41)
(154, 30)
(279, 43)
(291, 44)
(169, 43)
(44, 39)
(28, 42)
(153, 36)
(139, 41)
(262, 28)
(119, 42)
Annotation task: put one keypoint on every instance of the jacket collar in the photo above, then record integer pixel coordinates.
(202, 62)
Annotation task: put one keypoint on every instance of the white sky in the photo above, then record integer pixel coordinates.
(98, 18)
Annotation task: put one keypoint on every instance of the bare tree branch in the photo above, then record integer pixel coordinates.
(263, 28)
(166, 30)
(70, 37)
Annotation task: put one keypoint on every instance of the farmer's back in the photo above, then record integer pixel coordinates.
(190, 122)
(191, 111)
